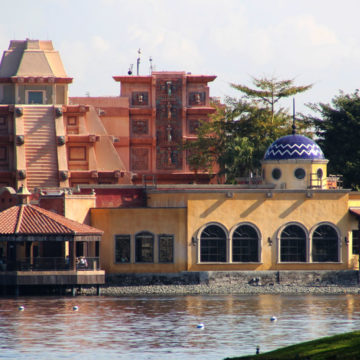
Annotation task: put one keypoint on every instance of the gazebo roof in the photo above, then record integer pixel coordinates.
(28, 219)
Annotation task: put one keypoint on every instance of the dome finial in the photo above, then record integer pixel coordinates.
(294, 124)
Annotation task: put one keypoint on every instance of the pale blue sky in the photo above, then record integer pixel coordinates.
(314, 41)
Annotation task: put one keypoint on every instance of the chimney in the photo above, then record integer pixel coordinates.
(23, 195)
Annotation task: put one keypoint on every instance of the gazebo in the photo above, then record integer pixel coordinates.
(40, 247)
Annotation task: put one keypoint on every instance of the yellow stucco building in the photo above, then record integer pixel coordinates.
(295, 217)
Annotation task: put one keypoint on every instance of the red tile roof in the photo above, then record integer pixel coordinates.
(30, 219)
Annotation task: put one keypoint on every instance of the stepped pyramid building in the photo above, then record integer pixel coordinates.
(50, 141)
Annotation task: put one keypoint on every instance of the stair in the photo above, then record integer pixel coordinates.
(40, 146)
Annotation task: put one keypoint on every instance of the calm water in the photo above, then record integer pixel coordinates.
(165, 327)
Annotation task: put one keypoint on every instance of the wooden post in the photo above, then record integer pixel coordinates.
(72, 255)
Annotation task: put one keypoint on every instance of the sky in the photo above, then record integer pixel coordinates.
(313, 42)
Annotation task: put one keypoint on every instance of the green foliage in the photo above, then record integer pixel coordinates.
(342, 347)
(270, 91)
(242, 129)
(338, 129)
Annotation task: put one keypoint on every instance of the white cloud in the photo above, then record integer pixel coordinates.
(314, 40)
(316, 34)
(295, 42)
(100, 44)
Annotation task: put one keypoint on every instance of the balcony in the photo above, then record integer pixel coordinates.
(50, 264)
(52, 272)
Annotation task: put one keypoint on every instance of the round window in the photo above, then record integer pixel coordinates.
(319, 173)
(276, 173)
(299, 173)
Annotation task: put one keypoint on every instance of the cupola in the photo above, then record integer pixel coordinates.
(295, 162)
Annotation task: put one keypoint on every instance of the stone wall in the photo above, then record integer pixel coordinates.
(256, 278)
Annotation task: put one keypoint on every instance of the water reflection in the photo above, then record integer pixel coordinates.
(165, 327)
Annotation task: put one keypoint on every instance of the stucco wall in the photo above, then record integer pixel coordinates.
(77, 207)
(288, 179)
(131, 221)
(269, 216)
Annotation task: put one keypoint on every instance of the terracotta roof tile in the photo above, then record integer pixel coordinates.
(30, 219)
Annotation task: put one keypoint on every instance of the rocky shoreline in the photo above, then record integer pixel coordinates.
(222, 289)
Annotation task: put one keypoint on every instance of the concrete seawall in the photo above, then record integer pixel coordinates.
(223, 278)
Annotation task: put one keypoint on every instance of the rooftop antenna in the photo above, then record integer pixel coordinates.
(293, 125)
(138, 62)
(151, 65)
(130, 69)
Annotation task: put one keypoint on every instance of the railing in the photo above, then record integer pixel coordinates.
(50, 264)
(334, 182)
(250, 180)
(149, 180)
(331, 182)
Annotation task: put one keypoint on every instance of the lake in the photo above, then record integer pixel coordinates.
(166, 327)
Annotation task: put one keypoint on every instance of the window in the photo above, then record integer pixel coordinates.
(319, 173)
(355, 242)
(293, 244)
(122, 248)
(139, 98)
(325, 244)
(72, 121)
(193, 126)
(213, 244)
(3, 154)
(35, 97)
(299, 173)
(276, 173)
(197, 98)
(139, 127)
(144, 247)
(77, 153)
(245, 244)
(3, 124)
(166, 248)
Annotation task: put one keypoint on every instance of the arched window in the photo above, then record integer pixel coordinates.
(293, 244)
(144, 247)
(245, 244)
(325, 244)
(213, 244)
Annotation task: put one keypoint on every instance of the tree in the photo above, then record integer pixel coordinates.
(240, 131)
(270, 91)
(337, 126)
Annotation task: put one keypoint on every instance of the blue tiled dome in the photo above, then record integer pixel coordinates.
(294, 147)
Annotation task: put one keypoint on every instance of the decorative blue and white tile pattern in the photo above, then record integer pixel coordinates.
(294, 147)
